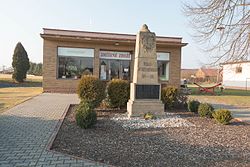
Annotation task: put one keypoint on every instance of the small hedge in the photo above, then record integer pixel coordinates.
(173, 98)
(118, 93)
(91, 90)
(222, 116)
(205, 110)
(85, 115)
(169, 96)
(193, 105)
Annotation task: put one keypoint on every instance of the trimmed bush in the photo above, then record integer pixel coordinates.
(205, 110)
(169, 96)
(222, 116)
(85, 115)
(149, 115)
(91, 90)
(118, 93)
(193, 105)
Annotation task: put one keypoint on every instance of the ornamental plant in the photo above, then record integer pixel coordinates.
(205, 110)
(193, 105)
(222, 116)
(118, 93)
(149, 115)
(85, 116)
(91, 90)
(169, 96)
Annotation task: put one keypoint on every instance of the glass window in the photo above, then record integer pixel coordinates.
(114, 65)
(74, 62)
(163, 65)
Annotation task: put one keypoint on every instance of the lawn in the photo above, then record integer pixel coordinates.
(228, 96)
(12, 93)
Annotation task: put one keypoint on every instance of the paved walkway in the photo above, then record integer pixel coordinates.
(26, 129)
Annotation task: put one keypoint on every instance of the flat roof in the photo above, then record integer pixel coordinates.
(49, 33)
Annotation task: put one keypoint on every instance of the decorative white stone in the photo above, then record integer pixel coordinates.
(169, 120)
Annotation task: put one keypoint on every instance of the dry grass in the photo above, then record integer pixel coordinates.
(226, 99)
(29, 77)
(12, 93)
(10, 97)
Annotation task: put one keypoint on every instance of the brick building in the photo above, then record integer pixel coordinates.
(69, 54)
(208, 75)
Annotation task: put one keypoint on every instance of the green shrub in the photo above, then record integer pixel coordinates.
(173, 98)
(91, 90)
(169, 96)
(149, 115)
(85, 115)
(205, 110)
(193, 105)
(118, 93)
(222, 116)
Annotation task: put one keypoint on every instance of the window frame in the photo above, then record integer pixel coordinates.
(238, 70)
(115, 59)
(167, 64)
(57, 61)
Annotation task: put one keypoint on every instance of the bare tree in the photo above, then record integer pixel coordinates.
(222, 27)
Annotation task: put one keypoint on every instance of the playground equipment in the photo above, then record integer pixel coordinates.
(209, 89)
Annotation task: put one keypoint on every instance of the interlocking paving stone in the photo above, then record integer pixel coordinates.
(26, 130)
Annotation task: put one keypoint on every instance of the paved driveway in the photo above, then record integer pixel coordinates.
(26, 129)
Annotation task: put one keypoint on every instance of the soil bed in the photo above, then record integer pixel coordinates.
(205, 144)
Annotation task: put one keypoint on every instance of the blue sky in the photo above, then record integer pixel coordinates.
(23, 21)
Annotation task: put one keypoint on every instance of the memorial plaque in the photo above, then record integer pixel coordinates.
(147, 92)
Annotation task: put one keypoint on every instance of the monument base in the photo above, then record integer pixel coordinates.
(138, 108)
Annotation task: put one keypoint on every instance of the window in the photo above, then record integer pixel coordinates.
(74, 62)
(238, 70)
(163, 65)
(114, 65)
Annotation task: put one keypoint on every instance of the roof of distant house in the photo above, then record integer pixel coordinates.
(210, 71)
(188, 72)
(236, 62)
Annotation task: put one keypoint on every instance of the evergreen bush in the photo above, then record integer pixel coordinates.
(205, 110)
(169, 96)
(193, 105)
(85, 115)
(20, 63)
(91, 90)
(222, 116)
(118, 93)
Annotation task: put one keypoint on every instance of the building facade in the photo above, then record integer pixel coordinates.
(208, 75)
(69, 54)
(236, 75)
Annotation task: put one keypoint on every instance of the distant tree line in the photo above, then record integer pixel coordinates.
(35, 68)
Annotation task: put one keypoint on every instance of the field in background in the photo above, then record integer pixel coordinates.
(31, 81)
(12, 93)
(227, 96)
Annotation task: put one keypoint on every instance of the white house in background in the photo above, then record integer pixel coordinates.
(236, 75)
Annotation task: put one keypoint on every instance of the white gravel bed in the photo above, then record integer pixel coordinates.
(169, 120)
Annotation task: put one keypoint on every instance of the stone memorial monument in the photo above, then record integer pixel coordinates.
(145, 89)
